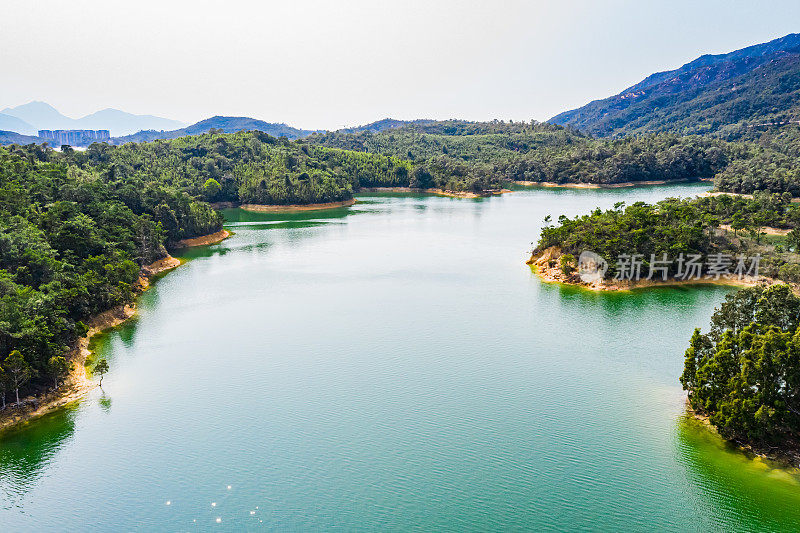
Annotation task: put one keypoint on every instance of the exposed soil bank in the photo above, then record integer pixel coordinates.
(583, 185)
(766, 230)
(77, 384)
(722, 193)
(546, 266)
(439, 192)
(300, 207)
(205, 240)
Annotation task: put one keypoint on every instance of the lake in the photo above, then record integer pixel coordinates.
(393, 366)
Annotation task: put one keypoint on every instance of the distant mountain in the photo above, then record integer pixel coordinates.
(226, 124)
(43, 116)
(122, 123)
(386, 124)
(12, 123)
(757, 84)
(39, 115)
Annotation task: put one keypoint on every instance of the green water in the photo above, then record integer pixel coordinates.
(391, 367)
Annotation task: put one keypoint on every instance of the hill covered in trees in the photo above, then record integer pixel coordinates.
(217, 124)
(385, 124)
(769, 162)
(683, 226)
(72, 241)
(76, 227)
(490, 153)
(722, 94)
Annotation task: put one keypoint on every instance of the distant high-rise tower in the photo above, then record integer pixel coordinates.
(75, 137)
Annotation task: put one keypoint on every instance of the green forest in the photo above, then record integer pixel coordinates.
(493, 153)
(744, 374)
(77, 226)
(72, 242)
(770, 162)
(459, 155)
(685, 226)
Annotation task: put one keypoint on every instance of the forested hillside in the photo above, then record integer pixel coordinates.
(76, 227)
(254, 167)
(771, 162)
(725, 94)
(492, 152)
(72, 242)
(218, 124)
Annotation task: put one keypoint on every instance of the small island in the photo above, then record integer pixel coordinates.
(743, 377)
(718, 239)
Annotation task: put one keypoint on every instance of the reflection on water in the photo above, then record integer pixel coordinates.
(735, 483)
(237, 217)
(104, 402)
(26, 453)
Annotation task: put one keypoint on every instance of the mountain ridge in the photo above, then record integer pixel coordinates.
(226, 124)
(709, 94)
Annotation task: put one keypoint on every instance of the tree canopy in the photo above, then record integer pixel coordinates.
(745, 373)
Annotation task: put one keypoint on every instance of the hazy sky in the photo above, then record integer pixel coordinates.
(326, 64)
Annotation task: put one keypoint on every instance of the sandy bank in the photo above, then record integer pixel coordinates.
(583, 185)
(292, 208)
(204, 240)
(439, 192)
(465, 194)
(541, 265)
(77, 384)
(765, 230)
(725, 193)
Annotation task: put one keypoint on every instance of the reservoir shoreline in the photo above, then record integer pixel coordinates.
(77, 383)
(437, 192)
(587, 185)
(539, 264)
(786, 459)
(295, 207)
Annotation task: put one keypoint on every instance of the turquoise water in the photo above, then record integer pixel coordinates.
(389, 367)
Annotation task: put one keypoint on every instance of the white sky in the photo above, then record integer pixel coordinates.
(326, 64)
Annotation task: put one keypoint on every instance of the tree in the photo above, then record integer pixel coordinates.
(3, 386)
(57, 367)
(738, 223)
(101, 368)
(745, 374)
(757, 226)
(793, 239)
(567, 264)
(18, 370)
(211, 189)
